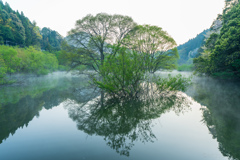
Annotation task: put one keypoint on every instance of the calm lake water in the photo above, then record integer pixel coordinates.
(60, 116)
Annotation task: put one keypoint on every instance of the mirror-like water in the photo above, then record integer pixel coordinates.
(60, 116)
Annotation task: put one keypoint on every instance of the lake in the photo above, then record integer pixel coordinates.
(61, 116)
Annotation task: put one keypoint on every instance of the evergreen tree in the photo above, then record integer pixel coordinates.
(16, 29)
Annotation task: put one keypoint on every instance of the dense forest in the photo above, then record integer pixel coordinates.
(221, 56)
(25, 48)
(18, 30)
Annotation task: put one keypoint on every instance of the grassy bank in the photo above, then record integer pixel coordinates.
(185, 67)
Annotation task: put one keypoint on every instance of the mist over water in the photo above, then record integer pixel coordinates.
(62, 115)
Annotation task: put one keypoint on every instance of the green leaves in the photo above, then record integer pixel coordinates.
(122, 52)
(126, 76)
(94, 34)
(185, 67)
(10, 58)
(177, 83)
(121, 75)
(51, 40)
(3, 70)
(224, 50)
(155, 44)
(27, 60)
(149, 39)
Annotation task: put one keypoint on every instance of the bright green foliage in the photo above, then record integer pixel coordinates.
(74, 58)
(122, 75)
(161, 60)
(122, 53)
(185, 67)
(172, 83)
(29, 60)
(222, 57)
(125, 76)
(10, 58)
(93, 34)
(34, 61)
(3, 70)
(156, 46)
(149, 39)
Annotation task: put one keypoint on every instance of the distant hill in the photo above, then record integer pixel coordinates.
(191, 48)
(17, 30)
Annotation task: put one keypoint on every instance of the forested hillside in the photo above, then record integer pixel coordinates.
(17, 30)
(25, 48)
(191, 49)
(221, 57)
(51, 40)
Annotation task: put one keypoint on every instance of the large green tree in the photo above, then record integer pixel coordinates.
(122, 53)
(93, 35)
(157, 45)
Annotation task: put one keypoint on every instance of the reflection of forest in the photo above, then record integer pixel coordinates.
(122, 123)
(14, 116)
(17, 114)
(222, 115)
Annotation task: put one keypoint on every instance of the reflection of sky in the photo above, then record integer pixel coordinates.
(185, 137)
(53, 134)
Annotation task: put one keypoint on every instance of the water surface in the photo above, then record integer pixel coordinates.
(60, 116)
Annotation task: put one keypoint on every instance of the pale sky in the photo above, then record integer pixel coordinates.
(182, 19)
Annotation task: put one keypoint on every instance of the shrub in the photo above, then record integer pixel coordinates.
(122, 74)
(125, 76)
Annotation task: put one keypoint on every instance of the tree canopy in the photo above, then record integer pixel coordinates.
(93, 34)
(122, 52)
(221, 58)
(155, 43)
(17, 30)
(51, 40)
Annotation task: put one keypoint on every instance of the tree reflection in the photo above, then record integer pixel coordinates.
(225, 127)
(222, 115)
(14, 116)
(121, 122)
(19, 113)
